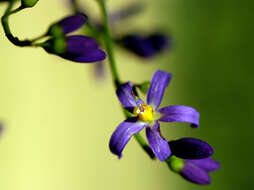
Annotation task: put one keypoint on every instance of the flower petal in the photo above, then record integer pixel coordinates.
(180, 114)
(195, 174)
(72, 23)
(190, 148)
(159, 82)
(123, 133)
(126, 96)
(158, 144)
(207, 164)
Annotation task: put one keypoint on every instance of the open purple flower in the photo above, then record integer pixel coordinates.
(148, 116)
(145, 46)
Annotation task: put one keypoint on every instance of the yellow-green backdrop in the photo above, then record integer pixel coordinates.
(58, 118)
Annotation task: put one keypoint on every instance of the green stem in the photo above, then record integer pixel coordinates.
(113, 68)
(109, 44)
(7, 30)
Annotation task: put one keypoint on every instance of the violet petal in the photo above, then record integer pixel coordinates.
(123, 134)
(180, 114)
(157, 143)
(159, 82)
(126, 96)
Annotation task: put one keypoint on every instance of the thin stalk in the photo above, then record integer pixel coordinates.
(109, 43)
(7, 30)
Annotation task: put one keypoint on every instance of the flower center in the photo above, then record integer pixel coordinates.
(144, 112)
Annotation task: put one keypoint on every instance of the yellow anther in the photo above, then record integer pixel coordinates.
(144, 112)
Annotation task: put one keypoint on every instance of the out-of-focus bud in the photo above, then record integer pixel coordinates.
(28, 3)
(76, 48)
(67, 25)
(145, 46)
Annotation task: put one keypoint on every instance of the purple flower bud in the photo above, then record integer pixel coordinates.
(194, 174)
(145, 46)
(76, 48)
(67, 25)
(207, 164)
(190, 148)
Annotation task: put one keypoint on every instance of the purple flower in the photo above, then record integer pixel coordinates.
(67, 25)
(76, 48)
(148, 116)
(145, 46)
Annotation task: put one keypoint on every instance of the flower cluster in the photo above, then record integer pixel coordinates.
(148, 116)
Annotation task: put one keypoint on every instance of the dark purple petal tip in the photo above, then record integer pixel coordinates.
(72, 23)
(207, 164)
(195, 174)
(190, 148)
(123, 134)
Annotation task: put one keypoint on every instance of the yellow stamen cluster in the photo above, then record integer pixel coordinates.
(144, 112)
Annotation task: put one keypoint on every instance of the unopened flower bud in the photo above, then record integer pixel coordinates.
(76, 48)
(67, 25)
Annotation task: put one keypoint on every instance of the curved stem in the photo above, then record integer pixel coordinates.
(113, 68)
(7, 30)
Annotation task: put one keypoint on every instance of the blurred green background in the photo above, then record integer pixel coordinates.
(58, 118)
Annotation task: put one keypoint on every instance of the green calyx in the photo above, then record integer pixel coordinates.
(56, 31)
(28, 3)
(59, 45)
(175, 164)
